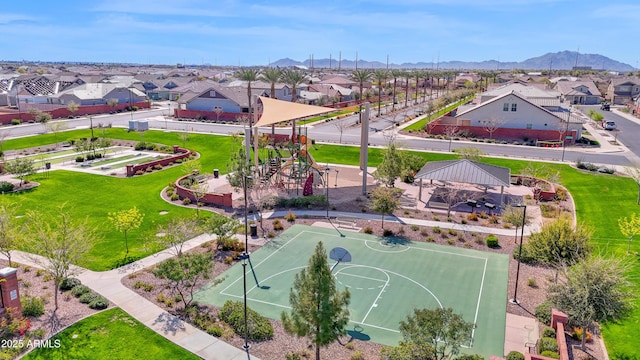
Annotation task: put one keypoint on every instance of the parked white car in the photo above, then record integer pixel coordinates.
(609, 125)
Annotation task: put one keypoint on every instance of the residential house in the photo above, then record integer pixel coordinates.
(512, 116)
(622, 90)
(334, 92)
(99, 94)
(215, 96)
(579, 92)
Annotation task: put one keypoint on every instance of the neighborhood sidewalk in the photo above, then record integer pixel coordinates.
(108, 284)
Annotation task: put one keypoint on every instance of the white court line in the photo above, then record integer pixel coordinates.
(375, 302)
(360, 276)
(411, 247)
(265, 259)
(475, 318)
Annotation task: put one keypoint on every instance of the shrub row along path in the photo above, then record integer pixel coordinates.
(109, 285)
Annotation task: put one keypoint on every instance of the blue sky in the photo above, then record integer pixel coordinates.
(241, 32)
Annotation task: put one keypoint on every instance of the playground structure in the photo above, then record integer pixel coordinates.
(293, 171)
(299, 169)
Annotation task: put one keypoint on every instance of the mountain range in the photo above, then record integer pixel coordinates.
(563, 60)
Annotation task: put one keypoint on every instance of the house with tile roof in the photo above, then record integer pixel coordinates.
(582, 92)
(513, 117)
(622, 90)
(208, 96)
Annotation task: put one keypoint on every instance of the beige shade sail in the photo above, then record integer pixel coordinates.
(275, 111)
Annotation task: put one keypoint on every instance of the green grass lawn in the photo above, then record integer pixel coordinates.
(111, 334)
(419, 125)
(600, 201)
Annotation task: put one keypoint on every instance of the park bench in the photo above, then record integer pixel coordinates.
(86, 164)
(438, 205)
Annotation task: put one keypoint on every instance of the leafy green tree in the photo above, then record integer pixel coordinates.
(21, 168)
(126, 221)
(431, 335)
(183, 273)
(222, 226)
(318, 310)
(559, 243)
(515, 216)
(629, 227)
(177, 232)
(470, 153)
(390, 167)
(11, 229)
(385, 201)
(61, 241)
(593, 290)
(238, 166)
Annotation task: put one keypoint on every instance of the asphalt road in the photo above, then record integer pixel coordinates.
(350, 135)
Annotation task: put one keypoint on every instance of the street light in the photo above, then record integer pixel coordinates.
(326, 186)
(524, 219)
(245, 257)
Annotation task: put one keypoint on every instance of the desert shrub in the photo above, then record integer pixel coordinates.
(232, 312)
(90, 157)
(424, 232)
(69, 283)
(523, 255)
(88, 297)
(515, 355)
(436, 230)
(549, 332)
(290, 217)
(99, 303)
(357, 355)
(157, 167)
(16, 121)
(228, 260)
(175, 197)
(548, 344)
(140, 146)
(562, 194)
(452, 232)
(144, 286)
(139, 172)
(80, 290)
(6, 186)
(387, 232)
(494, 219)
(576, 334)
(32, 306)
(483, 215)
(186, 201)
(532, 282)
(149, 169)
(430, 239)
(368, 230)
(79, 158)
(492, 241)
(415, 227)
(550, 354)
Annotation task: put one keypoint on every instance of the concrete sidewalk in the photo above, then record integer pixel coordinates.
(109, 285)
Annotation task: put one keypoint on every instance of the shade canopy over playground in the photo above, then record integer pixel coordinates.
(275, 111)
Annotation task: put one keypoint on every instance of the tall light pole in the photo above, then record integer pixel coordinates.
(524, 219)
(326, 186)
(245, 257)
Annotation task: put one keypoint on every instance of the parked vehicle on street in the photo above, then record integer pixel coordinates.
(609, 125)
(605, 107)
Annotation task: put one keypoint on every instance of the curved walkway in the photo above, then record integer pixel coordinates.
(109, 285)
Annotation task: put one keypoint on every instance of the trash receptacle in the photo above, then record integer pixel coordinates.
(216, 173)
(253, 230)
(47, 165)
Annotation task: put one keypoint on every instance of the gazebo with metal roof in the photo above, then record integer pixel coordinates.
(466, 171)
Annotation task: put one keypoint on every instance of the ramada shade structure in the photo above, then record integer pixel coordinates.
(275, 111)
(467, 171)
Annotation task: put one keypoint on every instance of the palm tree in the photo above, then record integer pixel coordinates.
(381, 76)
(272, 76)
(407, 77)
(249, 75)
(361, 76)
(293, 78)
(418, 75)
(395, 73)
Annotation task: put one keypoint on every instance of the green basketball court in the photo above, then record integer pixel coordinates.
(387, 280)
